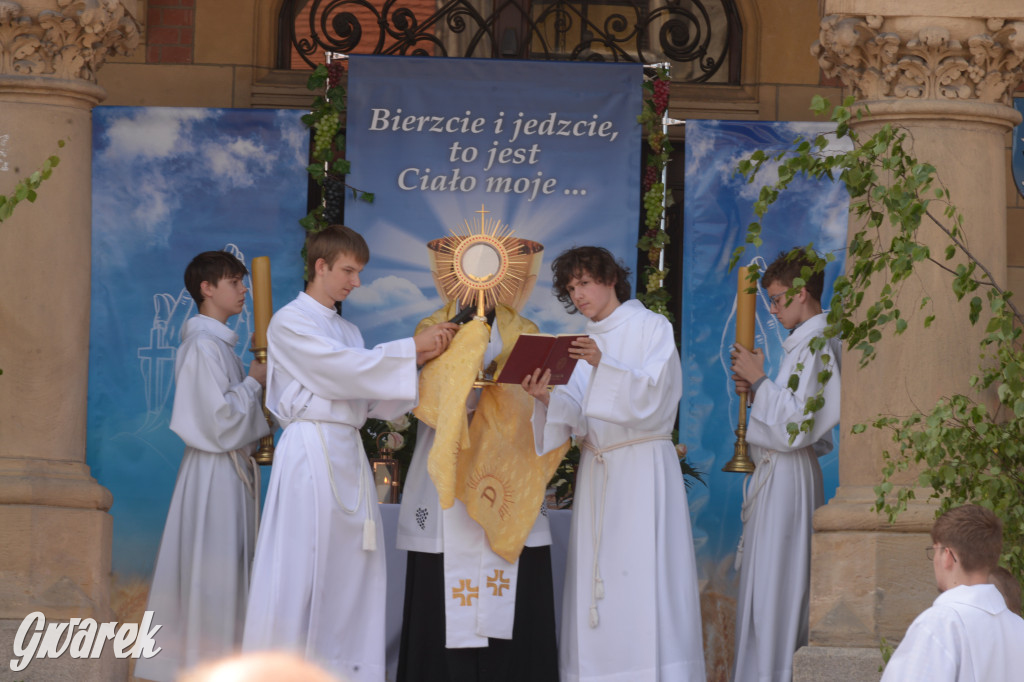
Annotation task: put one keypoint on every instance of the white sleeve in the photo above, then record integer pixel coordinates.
(563, 417)
(210, 412)
(333, 370)
(776, 405)
(643, 394)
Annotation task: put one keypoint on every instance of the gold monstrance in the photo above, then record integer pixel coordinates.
(481, 264)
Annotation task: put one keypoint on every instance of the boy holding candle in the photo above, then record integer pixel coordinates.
(781, 495)
(201, 581)
(319, 583)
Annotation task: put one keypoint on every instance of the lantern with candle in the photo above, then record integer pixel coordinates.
(386, 470)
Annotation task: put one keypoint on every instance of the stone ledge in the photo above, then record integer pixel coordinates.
(850, 664)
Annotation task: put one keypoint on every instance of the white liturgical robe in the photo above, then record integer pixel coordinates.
(968, 635)
(779, 500)
(201, 581)
(319, 582)
(631, 525)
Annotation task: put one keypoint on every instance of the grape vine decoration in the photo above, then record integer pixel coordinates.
(329, 166)
(655, 238)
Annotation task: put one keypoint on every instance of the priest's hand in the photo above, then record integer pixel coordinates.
(742, 385)
(747, 365)
(536, 384)
(433, 341)
(585, 348)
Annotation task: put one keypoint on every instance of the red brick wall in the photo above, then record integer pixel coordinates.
(170, 31)
(368, 20)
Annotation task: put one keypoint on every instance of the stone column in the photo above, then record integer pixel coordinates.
(54, 527)
(944, 71)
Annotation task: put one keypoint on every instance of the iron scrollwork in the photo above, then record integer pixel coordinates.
(701, 38)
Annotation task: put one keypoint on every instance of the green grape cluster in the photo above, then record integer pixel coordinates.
(653, 203)
(325, 128)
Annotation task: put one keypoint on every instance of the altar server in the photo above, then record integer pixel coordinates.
(968, 634)
(319, 583)
(781, 495)
(631, 610)
(201, 581)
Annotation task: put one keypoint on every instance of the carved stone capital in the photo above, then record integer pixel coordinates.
(984, 63)
(66, 39)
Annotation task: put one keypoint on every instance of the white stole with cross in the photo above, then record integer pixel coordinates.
(480, 586)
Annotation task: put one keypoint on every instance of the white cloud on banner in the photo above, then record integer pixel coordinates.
(152, 133)
(296, 139)
(237, 161)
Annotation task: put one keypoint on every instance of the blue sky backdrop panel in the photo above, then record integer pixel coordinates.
(719, 207)
(169, 183)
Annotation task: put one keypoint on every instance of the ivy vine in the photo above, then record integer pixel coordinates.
(25, 189)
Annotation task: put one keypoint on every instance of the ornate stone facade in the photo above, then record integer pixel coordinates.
(929, 63)
(69, 41)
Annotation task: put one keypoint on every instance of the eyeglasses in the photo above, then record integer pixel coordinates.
(930, 551)
(776, 300)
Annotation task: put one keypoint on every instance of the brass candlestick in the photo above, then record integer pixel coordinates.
(746, 316)
(265, 454)
(740, 462)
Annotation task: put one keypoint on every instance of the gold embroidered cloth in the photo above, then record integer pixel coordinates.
(489, 464)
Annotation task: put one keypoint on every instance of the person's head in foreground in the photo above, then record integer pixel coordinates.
(262, 666)
(966, 543)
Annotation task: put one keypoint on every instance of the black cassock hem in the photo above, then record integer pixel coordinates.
(530, 656)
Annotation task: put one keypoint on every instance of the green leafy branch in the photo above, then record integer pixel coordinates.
(329, 166)
(25, 189)
(963, 450)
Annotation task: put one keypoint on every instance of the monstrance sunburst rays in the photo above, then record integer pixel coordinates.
(484, 259)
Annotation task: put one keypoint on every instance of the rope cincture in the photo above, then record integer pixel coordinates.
(252, 487)
(597, 528)
(369, 526)
(766, 465)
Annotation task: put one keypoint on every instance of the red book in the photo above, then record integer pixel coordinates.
(540, 350)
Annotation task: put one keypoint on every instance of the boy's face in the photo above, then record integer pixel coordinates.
(593, 299)
(788, 312)
(338, 280)
(223, 299)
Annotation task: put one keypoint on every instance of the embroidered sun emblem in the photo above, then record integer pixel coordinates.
(496, 493)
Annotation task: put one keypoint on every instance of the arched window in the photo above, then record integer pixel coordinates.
(700, 39)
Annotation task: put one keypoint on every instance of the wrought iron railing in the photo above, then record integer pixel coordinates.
(701, 39)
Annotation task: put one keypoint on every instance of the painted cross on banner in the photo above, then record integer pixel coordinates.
(1018, 149)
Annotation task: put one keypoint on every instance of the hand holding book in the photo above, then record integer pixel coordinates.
(585, 348)
(557, 354)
